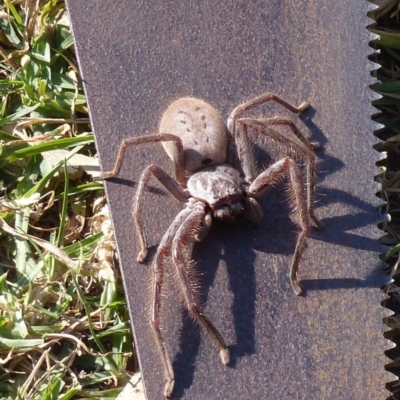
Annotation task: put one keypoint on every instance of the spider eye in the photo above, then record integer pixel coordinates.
(206, 161)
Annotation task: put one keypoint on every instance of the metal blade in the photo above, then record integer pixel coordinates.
(136, 58)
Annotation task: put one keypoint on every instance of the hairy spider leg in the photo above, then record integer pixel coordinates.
(178, 240)
(161, 258)
(243, 146)
(310, 165)
(288, 167)
(188, 279)
(169, 183)
(178, 156)
(295, 130)
(262, 99)
(298, 147)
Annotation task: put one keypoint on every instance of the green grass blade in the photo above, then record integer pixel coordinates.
(14, 117)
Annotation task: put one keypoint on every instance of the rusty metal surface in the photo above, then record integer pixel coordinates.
(136, 57)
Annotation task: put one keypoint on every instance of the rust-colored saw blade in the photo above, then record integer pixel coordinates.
(136, 58)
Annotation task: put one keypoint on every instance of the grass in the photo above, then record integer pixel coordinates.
(64, 330)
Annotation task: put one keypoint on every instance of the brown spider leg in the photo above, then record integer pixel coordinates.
(273, 174)
(260, 100)
(290, 123)
(170, 184)
(158, 266)
(178, 157)
(241, 140)
(245, 152)
(300, 150)
(181, 247)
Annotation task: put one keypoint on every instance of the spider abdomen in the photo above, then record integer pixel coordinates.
(201, 129)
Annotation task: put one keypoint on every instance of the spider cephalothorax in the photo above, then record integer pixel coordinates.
(194, 136)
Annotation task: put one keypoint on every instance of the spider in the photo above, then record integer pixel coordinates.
(195, 137)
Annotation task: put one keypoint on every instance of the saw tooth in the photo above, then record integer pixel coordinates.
(386, 181)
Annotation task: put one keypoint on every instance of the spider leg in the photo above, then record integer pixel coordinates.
(158, 266)
(181, 255)
(260, 100)
(162, 137)
(170, 184)
(290, 123)
(241, 140)
(299, 149)
(310, 166)
(288, 167)
(245, 152)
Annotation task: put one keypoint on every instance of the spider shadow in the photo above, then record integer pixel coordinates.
(227, 247)
(132, 184)
(234, 247)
